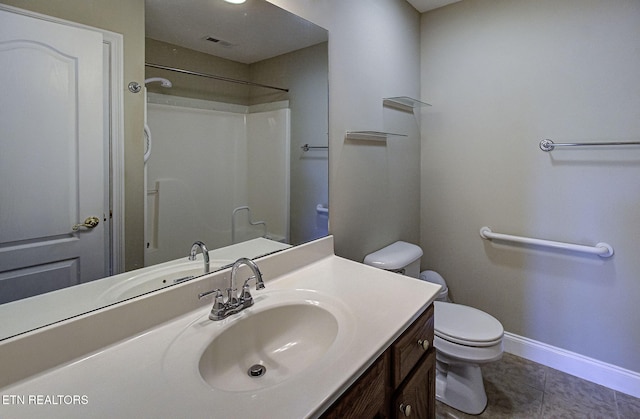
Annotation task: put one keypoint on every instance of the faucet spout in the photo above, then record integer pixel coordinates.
(254, 268)
(205, 254)
(235, 304)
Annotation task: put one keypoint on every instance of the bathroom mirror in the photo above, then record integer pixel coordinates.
(248, 89)
(255, 42)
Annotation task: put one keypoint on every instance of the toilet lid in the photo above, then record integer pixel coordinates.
(466, 325)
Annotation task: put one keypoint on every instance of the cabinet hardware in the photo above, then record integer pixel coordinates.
(405, 409)
(424, 343)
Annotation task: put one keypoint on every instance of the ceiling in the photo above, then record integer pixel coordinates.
(247, 33)
(426, 5)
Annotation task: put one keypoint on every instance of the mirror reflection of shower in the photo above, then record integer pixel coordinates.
(147, 131)
(210, 158)
(147, 146)
(232, 127)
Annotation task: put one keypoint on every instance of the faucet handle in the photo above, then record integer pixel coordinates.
(219, 308)
(245, 295)
(208, 293)
(218, 303)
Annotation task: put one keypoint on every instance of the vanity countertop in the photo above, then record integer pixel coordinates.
(42, 309)
(151, 375)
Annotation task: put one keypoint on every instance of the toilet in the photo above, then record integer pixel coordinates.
(465, 337)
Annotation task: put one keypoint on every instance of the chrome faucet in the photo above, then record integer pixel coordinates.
(205, 254)
(222, 309)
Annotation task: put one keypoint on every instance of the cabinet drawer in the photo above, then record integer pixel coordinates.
(408, 348)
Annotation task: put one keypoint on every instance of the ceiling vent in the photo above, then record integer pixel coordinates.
(219, 41)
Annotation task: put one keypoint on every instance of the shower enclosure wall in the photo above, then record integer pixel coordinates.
(209, 158)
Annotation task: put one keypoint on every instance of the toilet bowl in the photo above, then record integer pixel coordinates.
(464, 337)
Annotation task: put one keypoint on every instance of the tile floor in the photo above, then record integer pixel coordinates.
(519, 388)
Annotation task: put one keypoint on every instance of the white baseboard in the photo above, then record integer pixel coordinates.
(590, 369)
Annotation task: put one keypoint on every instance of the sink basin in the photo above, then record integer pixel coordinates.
(276, 343)
(296, 334)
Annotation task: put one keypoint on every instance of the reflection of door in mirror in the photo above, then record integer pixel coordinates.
(52, 161)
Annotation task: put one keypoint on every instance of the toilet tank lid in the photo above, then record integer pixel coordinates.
(395, 256)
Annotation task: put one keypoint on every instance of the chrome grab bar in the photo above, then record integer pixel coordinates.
(548, 145)
(308, 147)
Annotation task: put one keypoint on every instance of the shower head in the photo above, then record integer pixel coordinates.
(163, 82)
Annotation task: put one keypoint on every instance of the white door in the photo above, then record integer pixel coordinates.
(51, 156)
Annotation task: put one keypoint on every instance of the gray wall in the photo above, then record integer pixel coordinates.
(304, 73)
(502, 75)
(373, 53)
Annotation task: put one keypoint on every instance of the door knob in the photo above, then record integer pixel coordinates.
(90, 222)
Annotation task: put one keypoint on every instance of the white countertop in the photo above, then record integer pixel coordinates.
(43, 309)
(144, 376)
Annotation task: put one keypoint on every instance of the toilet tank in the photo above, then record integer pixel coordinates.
(401, 257)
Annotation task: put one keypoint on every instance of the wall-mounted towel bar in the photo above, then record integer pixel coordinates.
(601, 249)
(308, 147)
(548, 145)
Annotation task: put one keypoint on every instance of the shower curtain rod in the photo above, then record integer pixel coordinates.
(212, 76)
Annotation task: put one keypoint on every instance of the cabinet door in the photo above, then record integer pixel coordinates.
(407, 351)
(365, 398)
(415, 398)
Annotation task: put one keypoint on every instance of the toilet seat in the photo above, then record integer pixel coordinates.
(466, 325)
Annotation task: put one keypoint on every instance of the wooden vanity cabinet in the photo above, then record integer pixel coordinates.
(416, 397)
(400, 383)
(366, 397)
(413, 373)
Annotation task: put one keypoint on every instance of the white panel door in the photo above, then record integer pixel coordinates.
(51, 156)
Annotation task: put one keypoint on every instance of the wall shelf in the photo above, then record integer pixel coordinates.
(370, 135)
(404, 103)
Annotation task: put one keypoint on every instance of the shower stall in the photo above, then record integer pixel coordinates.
(239, 150)
(209, 159)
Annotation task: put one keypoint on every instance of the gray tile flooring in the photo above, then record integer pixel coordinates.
(519, 388)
